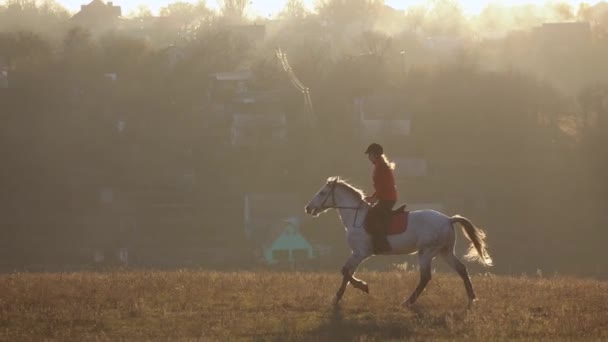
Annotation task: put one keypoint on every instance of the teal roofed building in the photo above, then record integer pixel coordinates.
(290, 246)
(272, 226)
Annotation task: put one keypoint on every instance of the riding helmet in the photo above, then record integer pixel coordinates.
(374, 148)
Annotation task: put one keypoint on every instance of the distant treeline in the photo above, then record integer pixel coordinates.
(507, 119)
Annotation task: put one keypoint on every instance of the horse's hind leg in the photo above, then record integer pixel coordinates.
(458, 266)
(424, 259)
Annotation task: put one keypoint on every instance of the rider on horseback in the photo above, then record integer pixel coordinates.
(382, 200)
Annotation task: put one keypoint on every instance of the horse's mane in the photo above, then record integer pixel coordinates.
(349, 187)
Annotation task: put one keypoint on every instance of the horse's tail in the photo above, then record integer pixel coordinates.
(478, 250)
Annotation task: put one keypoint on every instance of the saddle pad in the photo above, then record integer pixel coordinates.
(398, 223)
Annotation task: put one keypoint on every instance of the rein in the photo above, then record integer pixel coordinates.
(333, 199)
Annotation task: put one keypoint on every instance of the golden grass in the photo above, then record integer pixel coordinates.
(191, 305)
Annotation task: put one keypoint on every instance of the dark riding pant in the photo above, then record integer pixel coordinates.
(377, 222)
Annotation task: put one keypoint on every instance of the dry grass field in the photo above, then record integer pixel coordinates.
(190, 305)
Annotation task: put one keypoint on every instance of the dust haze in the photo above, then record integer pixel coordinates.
(194, 137)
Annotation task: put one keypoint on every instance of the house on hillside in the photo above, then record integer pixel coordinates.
(410, 167)
(445, 46)
(3, 78)
(255, 117)
(273, 228)
(562, 37)
(110, 228)
(173, 55)
(224, 87)
(170, 220)
(257, 121)
(382, 116)
(147, 222)
(254, 33)
(98, 15)
(562, 52)
(3, 74)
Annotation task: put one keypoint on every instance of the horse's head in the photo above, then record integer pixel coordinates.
(324, 198)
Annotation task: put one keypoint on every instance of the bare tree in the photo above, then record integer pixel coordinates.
(375, 43)
(234, 10)
(294, 9)
(350, 10)
(142, 11)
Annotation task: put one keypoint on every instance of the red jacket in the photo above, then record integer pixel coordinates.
(384, 181)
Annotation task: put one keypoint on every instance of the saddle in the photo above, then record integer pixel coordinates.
(400, 210)
(397, 222)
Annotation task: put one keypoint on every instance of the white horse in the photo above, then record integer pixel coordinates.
(429, 233)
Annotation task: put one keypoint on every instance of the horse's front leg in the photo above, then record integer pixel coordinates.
(347, 276)
(358, 283)
(340, 293)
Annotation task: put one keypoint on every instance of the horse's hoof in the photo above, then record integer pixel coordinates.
(361, 286)
(336, 300)
(407, 304)
(471, 303)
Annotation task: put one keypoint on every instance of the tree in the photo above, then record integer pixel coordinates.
(142, 11)
(446, 17)
(294, 9)
(48, 16)
(375, 43)
(348, 11)
(24, 50)
(234, 10)
(181, 20)
(80, 56)
(593, 100)
(122, 53)
(415, 17)
(77, 39)
(180, 11)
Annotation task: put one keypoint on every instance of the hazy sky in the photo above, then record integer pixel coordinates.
(270, 7)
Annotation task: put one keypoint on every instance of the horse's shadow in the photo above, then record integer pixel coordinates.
(341, 326)
(337, 327)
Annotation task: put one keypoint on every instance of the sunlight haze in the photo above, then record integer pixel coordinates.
(269, 8)
(301, 170)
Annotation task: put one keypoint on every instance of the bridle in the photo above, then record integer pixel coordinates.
(334, 206)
